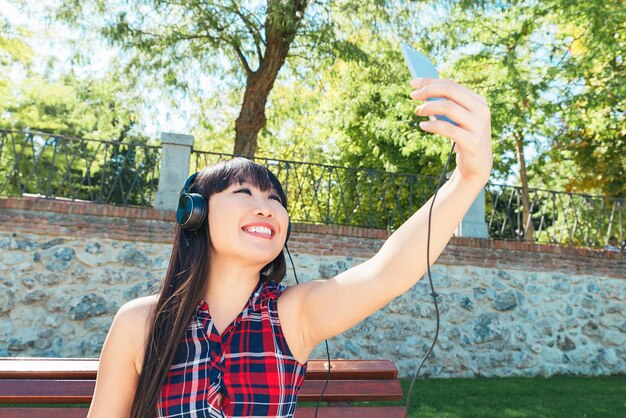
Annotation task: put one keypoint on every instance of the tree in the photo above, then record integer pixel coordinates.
(67, 108)
(15, 54)
(58, 163)
(531, 62)
(354, 111)
(591, 129)
(165, 35)
(98, 109)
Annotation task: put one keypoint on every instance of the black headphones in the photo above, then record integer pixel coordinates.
(192, 209)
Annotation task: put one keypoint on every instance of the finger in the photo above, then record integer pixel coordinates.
(417, 83)
(461, 136)
(446, 89)
(451, 91)
(443, 83)
(450, 109)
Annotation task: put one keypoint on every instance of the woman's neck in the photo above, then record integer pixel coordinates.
(227, 292)
(230, 282)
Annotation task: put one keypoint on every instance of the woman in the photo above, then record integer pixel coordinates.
(172, 355)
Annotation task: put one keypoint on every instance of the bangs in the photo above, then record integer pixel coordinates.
(239, 170)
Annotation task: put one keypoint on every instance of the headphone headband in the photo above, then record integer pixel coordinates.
(188, 182)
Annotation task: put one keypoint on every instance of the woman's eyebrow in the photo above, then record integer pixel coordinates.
(247, 183)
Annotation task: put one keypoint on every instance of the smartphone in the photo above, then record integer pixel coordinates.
(421, 67)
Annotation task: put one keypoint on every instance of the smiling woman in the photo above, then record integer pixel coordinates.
(192, 357)
(224, 337)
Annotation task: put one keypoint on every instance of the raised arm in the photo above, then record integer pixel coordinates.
(327, 308)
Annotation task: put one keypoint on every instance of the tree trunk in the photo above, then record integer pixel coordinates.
(526, 216)
(252, 117)
(278, 37)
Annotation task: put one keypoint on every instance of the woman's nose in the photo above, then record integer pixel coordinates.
(263, 209)
(264, 212)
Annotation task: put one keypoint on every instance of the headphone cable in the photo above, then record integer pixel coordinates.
(430, 280)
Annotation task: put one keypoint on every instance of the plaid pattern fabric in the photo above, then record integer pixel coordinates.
(250, 365)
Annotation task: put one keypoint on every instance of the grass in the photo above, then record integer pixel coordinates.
(558, 396)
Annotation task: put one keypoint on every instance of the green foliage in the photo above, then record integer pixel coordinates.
(551, 72)
(239, 43)
(65, 107)
(15, 55)
(592, 114)
(354, 110)
(95, 108)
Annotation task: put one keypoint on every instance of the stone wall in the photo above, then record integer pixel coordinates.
(507, 308)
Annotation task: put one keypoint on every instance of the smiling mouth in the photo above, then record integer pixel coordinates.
(261, 231)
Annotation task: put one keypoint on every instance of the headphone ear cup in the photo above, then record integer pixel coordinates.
(182, 213)
(192, 211)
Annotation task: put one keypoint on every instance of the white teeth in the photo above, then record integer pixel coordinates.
(260, 230)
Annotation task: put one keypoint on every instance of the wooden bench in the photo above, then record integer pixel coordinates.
(69, 383)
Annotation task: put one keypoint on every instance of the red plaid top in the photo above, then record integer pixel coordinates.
(250, 365)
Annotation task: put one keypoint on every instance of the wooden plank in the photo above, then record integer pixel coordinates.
(12, 412)
(81, 391)
(48, 368)
(352, 412)
(352, 369)
(46, 391)
(85, 369)
(301, 412)
(352, 390)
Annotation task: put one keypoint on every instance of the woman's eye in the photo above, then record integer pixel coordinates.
(273, 196)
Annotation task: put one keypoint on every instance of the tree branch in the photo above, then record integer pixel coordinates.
(242, 58)
(253, 32)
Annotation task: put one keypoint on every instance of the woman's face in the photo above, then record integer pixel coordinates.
(248, 224)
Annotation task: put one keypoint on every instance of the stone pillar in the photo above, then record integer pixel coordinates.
(174, 169)
(473, 223)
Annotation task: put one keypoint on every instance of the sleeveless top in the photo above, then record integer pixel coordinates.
(250, 365)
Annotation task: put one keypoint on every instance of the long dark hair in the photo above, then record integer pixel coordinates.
(186, 277)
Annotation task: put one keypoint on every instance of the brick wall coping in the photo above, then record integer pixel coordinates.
(84, 208)
(135, 213)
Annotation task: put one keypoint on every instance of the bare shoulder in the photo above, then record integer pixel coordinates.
(136, 314)
(131, 326)
(142, 307)
(292, 295)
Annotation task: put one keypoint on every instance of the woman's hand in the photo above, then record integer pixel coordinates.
(472, 134)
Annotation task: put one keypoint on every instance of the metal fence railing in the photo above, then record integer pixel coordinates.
(327, 194)
(116, 172)
(556, 217)
(79, 169)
